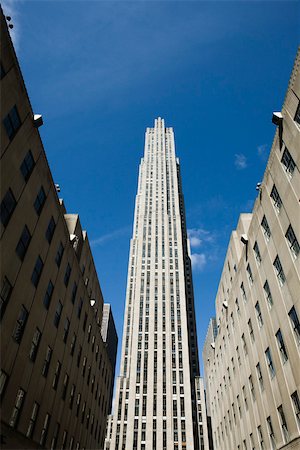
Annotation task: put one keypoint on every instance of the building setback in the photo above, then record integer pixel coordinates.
(156, 406)
(252, 362)
(57, 371)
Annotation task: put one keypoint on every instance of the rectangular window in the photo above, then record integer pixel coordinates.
(65, 386)
(6, 290)
(3, 382)
(259, 376)
(72, 396)
(276, 198)
(281, 346)
(288, 162)
(59, 254)
(73, 343)
(279, 271)
(58, 313)
(48, 295)
(283, 423)
(270, 362)
(27, 166)
(266, 228)
(66, 330)
(45, 429)
(55, 436)
(296, 404)
(13, 422)
(268, 294)
(56, 375)
(32, 420)
(67, 275)
(250, 276)
(74, 292)
(7, 207)
(259, 315)
(12, 122)
(80, 304)
(20, 325)
(35, 344)
(23, 243)
(46, 365)
(295, 322)
(251, 387)
(257, 253)
(271, 433)
(260, 437)
(292, 240)
(37, 271)
(251, 330)
(39, 201)
(50, 230)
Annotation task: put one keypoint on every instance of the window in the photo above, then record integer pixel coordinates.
(74, 292)
(292, 240)
(66, 330)
(288, 162)
(45, 429)
(2, 71)
(55, 436)
(12, 122)
(23, 243)
(39, 201)
(283, 423)
(73, 343)
(56, 375)
(251, 330)
(297, 115)
(48, 295)
(67, 275)
(260, 437)
(20, 325)
(295, 322)
(259, 376)
(3, 382)
(27, 166)
(80, 304)
(296, 404)
(270, 362)
(50, 230)
(251, 387)
(58, 313)
(243, 292)
(276, 198)
(35, 344)
(279, 271)
(72, 395)
(266, 228)
(281, 346)
(65, 386)
(59, 254)
(32, 420)
(257, 253)
(4, 295)
(259, 315)
(37, 271)
(250, 276)
(46, 365)
(13, 422)
(271, 432)
(268, 294)
(7, 207)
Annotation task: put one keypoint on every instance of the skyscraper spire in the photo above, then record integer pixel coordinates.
(155, 404)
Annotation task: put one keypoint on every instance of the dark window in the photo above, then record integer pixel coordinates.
(79, 356)
(67, 275)
(7, 207)
(266, 228)
(292, 240)
(3, 382)
(72, 395)
(27, 166)
(32, 420)
(46, 365)
(297, 115)
(65, 386)
(58, 313)
(23, 243)
(74, 292)
(37, 271)
(5, 295)
(288, 162)
(279, 270)
(56, 375)
(296, 403)
(66, 330)
(295, 322)
(48, 294)
(13, 422)
(50, 230)
(35, 344)
(45, 429)
(80, 304)
(39, 201)
(59, 254)
(2, 71)
(12, 122)
(276, 198)
(73, 343)
(55, 436)
(20, 325)
(270, 362)
(84, 321)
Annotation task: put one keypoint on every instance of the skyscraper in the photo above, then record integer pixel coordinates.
(155, 404)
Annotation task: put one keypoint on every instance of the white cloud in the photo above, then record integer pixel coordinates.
(198, 261)
(110, 236)
(240, 161)
(198, 236)
(262, 151)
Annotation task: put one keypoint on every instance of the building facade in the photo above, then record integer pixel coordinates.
(252, 361)
(155, 403)
(57, 371)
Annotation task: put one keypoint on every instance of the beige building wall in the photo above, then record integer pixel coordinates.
(252, 365)
(56, 374)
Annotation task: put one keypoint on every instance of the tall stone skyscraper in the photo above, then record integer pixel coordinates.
(155, 404)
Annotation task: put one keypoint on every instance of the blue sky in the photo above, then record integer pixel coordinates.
(101, 71)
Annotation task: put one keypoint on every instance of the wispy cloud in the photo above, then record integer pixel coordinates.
(198, 236)
(115, 234)
(198, 261)
(240, 161)
(262, 151)
(10, 9)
